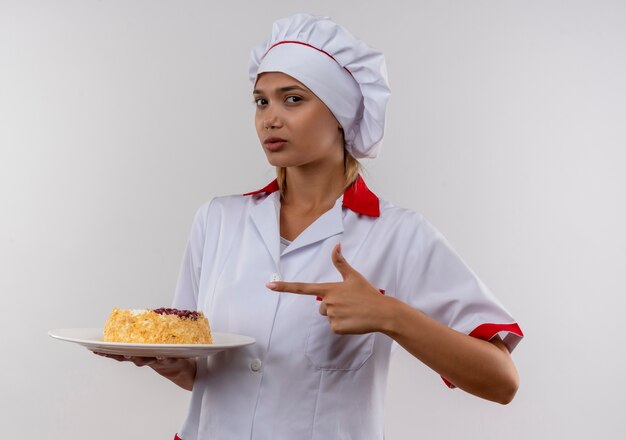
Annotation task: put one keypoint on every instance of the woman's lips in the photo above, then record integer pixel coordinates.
(274, 144)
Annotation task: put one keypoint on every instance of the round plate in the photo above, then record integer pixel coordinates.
(92, 339)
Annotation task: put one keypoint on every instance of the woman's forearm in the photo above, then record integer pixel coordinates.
(180, 371)
(482, 368)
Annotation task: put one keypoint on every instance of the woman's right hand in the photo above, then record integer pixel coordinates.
(181, 371)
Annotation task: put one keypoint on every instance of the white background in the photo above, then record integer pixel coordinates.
(506, 129)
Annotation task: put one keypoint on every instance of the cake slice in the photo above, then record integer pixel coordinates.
(158, 326)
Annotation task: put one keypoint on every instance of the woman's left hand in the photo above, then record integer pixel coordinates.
(353, 306)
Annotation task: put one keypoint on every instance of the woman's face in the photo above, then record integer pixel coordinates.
(294, 126)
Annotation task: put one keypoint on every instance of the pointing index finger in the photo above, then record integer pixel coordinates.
(317, 289)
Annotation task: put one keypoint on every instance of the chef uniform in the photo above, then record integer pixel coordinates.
(300, 380)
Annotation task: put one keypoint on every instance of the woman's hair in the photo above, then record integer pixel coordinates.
(351, 170)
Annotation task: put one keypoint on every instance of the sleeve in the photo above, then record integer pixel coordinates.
(435, 280)
(187, 287)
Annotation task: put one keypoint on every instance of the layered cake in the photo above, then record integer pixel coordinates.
(158, 326)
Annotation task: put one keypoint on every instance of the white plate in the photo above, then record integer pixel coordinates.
(92, 339)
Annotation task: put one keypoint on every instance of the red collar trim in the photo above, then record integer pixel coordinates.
(357, 197)
(360, 199)
(270, 188)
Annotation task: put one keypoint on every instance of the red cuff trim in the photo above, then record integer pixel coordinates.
(446, 381)
(486, 332)
(176, 437)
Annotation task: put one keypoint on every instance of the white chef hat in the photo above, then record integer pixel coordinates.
(345, 73)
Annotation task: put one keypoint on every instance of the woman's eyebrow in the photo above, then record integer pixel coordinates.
(281, 89)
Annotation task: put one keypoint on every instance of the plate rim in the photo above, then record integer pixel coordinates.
(53, 333)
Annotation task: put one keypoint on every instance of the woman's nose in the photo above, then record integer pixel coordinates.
(271, 119)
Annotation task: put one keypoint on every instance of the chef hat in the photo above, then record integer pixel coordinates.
(346, 74)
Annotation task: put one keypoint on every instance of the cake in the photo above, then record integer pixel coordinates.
(158, 326)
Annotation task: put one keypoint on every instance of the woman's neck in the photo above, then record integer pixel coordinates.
(311, 188)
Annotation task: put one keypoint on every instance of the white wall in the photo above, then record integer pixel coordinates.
(506, 129)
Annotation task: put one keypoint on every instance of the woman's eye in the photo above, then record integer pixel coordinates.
(293, 99)
(260, 101)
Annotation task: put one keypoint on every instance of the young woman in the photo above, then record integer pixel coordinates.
(320, 271)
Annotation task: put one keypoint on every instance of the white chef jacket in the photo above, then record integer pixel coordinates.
(300, 380)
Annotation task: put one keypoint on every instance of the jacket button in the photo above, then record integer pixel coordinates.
(256, 365)
(275, 277)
